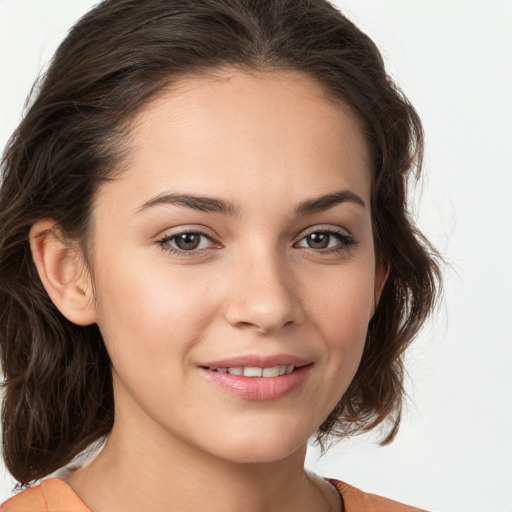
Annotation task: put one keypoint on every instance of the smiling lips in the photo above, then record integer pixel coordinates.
(258, 379)
(256, 371)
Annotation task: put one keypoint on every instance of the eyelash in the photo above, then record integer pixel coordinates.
(345, 239)
(164, 243)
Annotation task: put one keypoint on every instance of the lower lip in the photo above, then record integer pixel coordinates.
(260, 389)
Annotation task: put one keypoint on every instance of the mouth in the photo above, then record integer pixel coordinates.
(256, 378)
(256, 371)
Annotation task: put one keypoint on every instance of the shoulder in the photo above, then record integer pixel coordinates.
(52, 495)
(355, 500)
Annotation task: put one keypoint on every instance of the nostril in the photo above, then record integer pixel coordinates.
(264, 311)
(244, 325)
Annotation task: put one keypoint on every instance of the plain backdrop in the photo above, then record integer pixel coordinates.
(453, 59)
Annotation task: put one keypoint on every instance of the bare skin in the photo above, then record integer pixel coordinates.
(175, 288)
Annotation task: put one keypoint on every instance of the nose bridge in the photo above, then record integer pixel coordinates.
(265, 296)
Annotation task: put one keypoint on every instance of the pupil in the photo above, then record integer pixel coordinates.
(318, 240)
(188, 241)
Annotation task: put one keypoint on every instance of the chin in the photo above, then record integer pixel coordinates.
(263, 454)
(262, 445)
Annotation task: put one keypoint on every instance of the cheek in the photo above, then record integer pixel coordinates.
(150, 321)
(340, 310)
(342, 302)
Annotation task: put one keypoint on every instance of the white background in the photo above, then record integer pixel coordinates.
(454, 61)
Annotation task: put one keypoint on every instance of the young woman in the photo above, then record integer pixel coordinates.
(206, 259)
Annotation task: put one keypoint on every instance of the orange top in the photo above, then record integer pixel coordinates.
(54, 495)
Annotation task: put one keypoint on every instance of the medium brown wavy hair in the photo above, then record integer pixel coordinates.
(58, 396)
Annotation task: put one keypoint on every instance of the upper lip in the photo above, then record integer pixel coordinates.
(258, 361)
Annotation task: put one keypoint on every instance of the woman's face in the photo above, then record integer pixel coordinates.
(234, 265)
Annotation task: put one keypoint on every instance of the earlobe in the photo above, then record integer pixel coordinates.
(60, 266)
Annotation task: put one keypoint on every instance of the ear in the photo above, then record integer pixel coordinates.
(381, 276)
(63, 272)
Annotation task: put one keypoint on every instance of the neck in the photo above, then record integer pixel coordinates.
(176, 475)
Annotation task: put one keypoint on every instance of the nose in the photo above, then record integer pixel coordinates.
(263, 295)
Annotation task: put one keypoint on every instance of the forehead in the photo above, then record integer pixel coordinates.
(263, 131)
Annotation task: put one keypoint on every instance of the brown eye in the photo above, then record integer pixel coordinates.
(187, 241)
(327, 240)
(318, 240)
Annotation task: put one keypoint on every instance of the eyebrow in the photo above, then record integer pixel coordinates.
(323, 203)
(200, 203)
(214, 205)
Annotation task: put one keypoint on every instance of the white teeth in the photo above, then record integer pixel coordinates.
(255, 371)
(271, 372)
(252, 371)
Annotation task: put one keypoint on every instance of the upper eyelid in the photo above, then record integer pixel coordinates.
(344, 237)
(178, 230)
(207, 231)
(172, 236)
(324, 229)
(214, 237)
(202, 230)
(164, 242)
